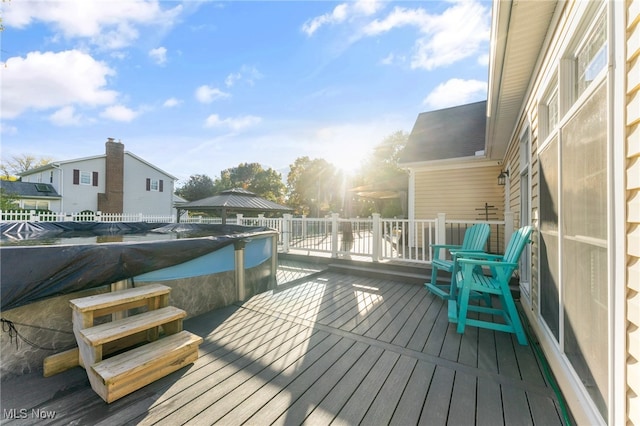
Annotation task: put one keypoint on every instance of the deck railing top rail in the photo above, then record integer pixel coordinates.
(373, 238)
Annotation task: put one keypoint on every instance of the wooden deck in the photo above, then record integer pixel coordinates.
(326, 349)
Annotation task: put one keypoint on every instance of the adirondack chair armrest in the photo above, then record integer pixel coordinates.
(436, 249)
(476, 255)
(483, 262)
(466, 253)
(446, 246)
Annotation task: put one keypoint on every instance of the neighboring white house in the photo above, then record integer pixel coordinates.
(115, 182)
(563, 122)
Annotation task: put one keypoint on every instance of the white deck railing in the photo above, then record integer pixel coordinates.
(376, 238)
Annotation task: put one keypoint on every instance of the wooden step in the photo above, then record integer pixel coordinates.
(124, 373)
(111, 331)
(106, 303)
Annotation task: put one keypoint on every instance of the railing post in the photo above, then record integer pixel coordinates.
(239, 218)
(304, 227)
(334, 234)
(241, 291)
(261, 219)
(508, 228)
(376, 246)
(441, 230)
(286, 231)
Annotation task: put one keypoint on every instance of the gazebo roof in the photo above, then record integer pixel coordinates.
(235, 199)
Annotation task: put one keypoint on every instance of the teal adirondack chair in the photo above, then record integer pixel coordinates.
(471, 282)
(474, 240)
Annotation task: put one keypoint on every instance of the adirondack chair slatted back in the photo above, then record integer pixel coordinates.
(475, 237)
(518, 241)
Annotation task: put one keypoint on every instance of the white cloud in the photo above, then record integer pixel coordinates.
(159, 55)
(66, 116)
(399, 17)
(341, 13)
(171, 102)
(119, 113)
(457, 33)
(456, 92)
(7, 129)
(236, 123)
(247, 73)
(51, 80)
(206, 94)
(108, 24)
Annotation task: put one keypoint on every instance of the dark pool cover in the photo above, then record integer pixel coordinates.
(32, 273)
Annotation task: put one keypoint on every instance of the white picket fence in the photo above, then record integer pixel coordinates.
(374, 237)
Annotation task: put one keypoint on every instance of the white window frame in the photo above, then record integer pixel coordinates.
(154, 184)
(39, 204)
(86, 178)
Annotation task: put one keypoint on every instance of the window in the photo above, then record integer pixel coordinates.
(155, 185)
(591, 58)
(574, 213)
(35, 205)
(85, 178)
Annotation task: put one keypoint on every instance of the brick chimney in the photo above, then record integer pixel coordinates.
(112, 201)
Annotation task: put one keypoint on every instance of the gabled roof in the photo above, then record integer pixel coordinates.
(29, 189)
(446, 134)
(234, 199)
(55, 164)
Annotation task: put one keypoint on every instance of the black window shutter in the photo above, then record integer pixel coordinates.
(160, 185)
(76, 177)
(148, 184)
(95, 178)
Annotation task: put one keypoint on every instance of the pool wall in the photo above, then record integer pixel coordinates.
(198, 286)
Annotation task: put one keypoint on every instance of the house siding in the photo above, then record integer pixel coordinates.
(76, 197)
(633, 211)
(137, 199)
(529, 117)
(449, 192)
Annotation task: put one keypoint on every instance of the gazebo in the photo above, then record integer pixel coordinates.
(237, 200)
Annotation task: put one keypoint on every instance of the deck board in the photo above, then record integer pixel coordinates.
(329, 349)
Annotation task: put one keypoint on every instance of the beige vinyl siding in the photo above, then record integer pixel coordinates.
(458, 193)
(633, 212)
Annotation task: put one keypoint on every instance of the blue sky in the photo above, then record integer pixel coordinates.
(196, 87)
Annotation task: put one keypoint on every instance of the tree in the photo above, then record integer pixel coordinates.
(197, 188)
(253, 177)
(382, 167)
(315, 187)
(21, 163)
(8, 201)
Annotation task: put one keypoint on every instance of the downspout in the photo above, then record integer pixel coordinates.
(60, 184)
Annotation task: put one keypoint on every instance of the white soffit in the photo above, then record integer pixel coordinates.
(520, 29)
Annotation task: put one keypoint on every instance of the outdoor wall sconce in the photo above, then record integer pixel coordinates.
(502, 177)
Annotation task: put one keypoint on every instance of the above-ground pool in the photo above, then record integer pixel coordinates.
(44, 265)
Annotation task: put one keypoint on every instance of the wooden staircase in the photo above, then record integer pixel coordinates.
(131, 351)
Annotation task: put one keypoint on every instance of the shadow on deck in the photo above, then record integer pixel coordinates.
(325, 347)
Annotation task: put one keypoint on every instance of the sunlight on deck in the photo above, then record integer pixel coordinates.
(366, 298)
